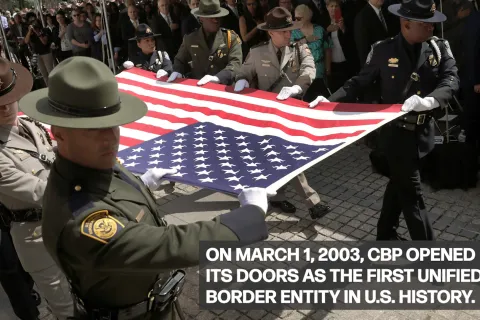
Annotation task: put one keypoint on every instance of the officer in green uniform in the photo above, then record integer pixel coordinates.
(211, 53)
(101, 223)
(148, 58)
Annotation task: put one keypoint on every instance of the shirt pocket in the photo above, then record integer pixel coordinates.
(29, 163)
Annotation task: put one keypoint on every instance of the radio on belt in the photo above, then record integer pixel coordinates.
(163, 295)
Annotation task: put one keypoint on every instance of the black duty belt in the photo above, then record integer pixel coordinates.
(8, 216)
(411, 121)
(27, 215)
(162, 295)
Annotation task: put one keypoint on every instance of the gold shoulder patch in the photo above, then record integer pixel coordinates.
(100, 226)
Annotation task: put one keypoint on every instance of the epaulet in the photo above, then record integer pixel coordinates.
(260, 44)
(438, 39)
(382, 41)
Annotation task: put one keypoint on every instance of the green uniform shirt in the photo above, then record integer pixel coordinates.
(223, 59)
(107, 233)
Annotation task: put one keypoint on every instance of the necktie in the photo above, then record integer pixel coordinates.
(279, 56)
(135, 25)
(382, 20)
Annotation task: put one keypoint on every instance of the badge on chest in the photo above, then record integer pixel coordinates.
(393, 63)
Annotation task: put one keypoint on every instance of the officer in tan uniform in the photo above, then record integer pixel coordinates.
(276, 66)
(101, 223)
(211, 53)
(26, 156)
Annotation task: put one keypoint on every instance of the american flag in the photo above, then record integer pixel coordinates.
(227, 141)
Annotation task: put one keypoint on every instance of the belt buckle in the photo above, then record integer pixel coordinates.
(421, 119)
(415, 76)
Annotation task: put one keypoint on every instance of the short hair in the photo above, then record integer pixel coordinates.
(305, 11)
(327, 2)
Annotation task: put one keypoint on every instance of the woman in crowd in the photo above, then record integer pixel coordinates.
(149, 12)
(99, 45)
(40, 40)
(344, 59)
(65, 50)
(248, 22)
(90, 13)
(52, 25)
(320, 45)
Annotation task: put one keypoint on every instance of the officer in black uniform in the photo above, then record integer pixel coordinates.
(148, 57)
(418, 70)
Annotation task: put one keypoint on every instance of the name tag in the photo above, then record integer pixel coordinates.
(265, 65)
(194, 46)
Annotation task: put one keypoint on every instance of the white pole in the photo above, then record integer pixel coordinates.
(110, 53)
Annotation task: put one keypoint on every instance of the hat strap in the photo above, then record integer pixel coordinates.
(84, 112)
(11, 85)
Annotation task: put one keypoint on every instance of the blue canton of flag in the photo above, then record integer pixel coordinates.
(222, 159)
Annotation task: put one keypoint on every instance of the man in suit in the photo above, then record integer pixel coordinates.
(190, 23)
(289, 71)
(166, 23)
(127, 32)
(211, 53)
(373, 23)
(25, 161)
(235, 11)
(419, 71)
(101, 223)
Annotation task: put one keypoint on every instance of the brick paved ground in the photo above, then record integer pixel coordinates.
(347, 183)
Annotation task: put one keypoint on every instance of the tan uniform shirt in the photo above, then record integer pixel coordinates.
(261, 68)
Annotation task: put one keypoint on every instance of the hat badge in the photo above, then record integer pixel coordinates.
(148, 30)
(434, 7)
(289, 19)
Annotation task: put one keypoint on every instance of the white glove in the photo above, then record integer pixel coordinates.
(152, 177)
(207, 79)
(256, 197)
(287, 92)
(319, 99)
(415, 103)
(174, 75)
(161, 73)
(128, 65)
(240, 85)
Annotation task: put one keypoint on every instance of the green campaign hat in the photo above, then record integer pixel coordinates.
(82, 93)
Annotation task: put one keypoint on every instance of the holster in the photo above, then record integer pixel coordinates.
(162, 295)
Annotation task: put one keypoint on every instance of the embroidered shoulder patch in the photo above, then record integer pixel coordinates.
(100, 226)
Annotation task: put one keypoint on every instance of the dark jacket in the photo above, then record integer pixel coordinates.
(390, 66)
(369, 29)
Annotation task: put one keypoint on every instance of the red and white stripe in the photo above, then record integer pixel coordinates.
(172, 106)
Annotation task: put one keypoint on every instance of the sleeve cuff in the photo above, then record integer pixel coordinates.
(248, 223)
(225, 77)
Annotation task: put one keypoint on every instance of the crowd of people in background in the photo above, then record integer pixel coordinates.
(339, 32)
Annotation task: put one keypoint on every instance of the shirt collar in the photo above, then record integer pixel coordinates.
(377, 10)
(78, 175)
